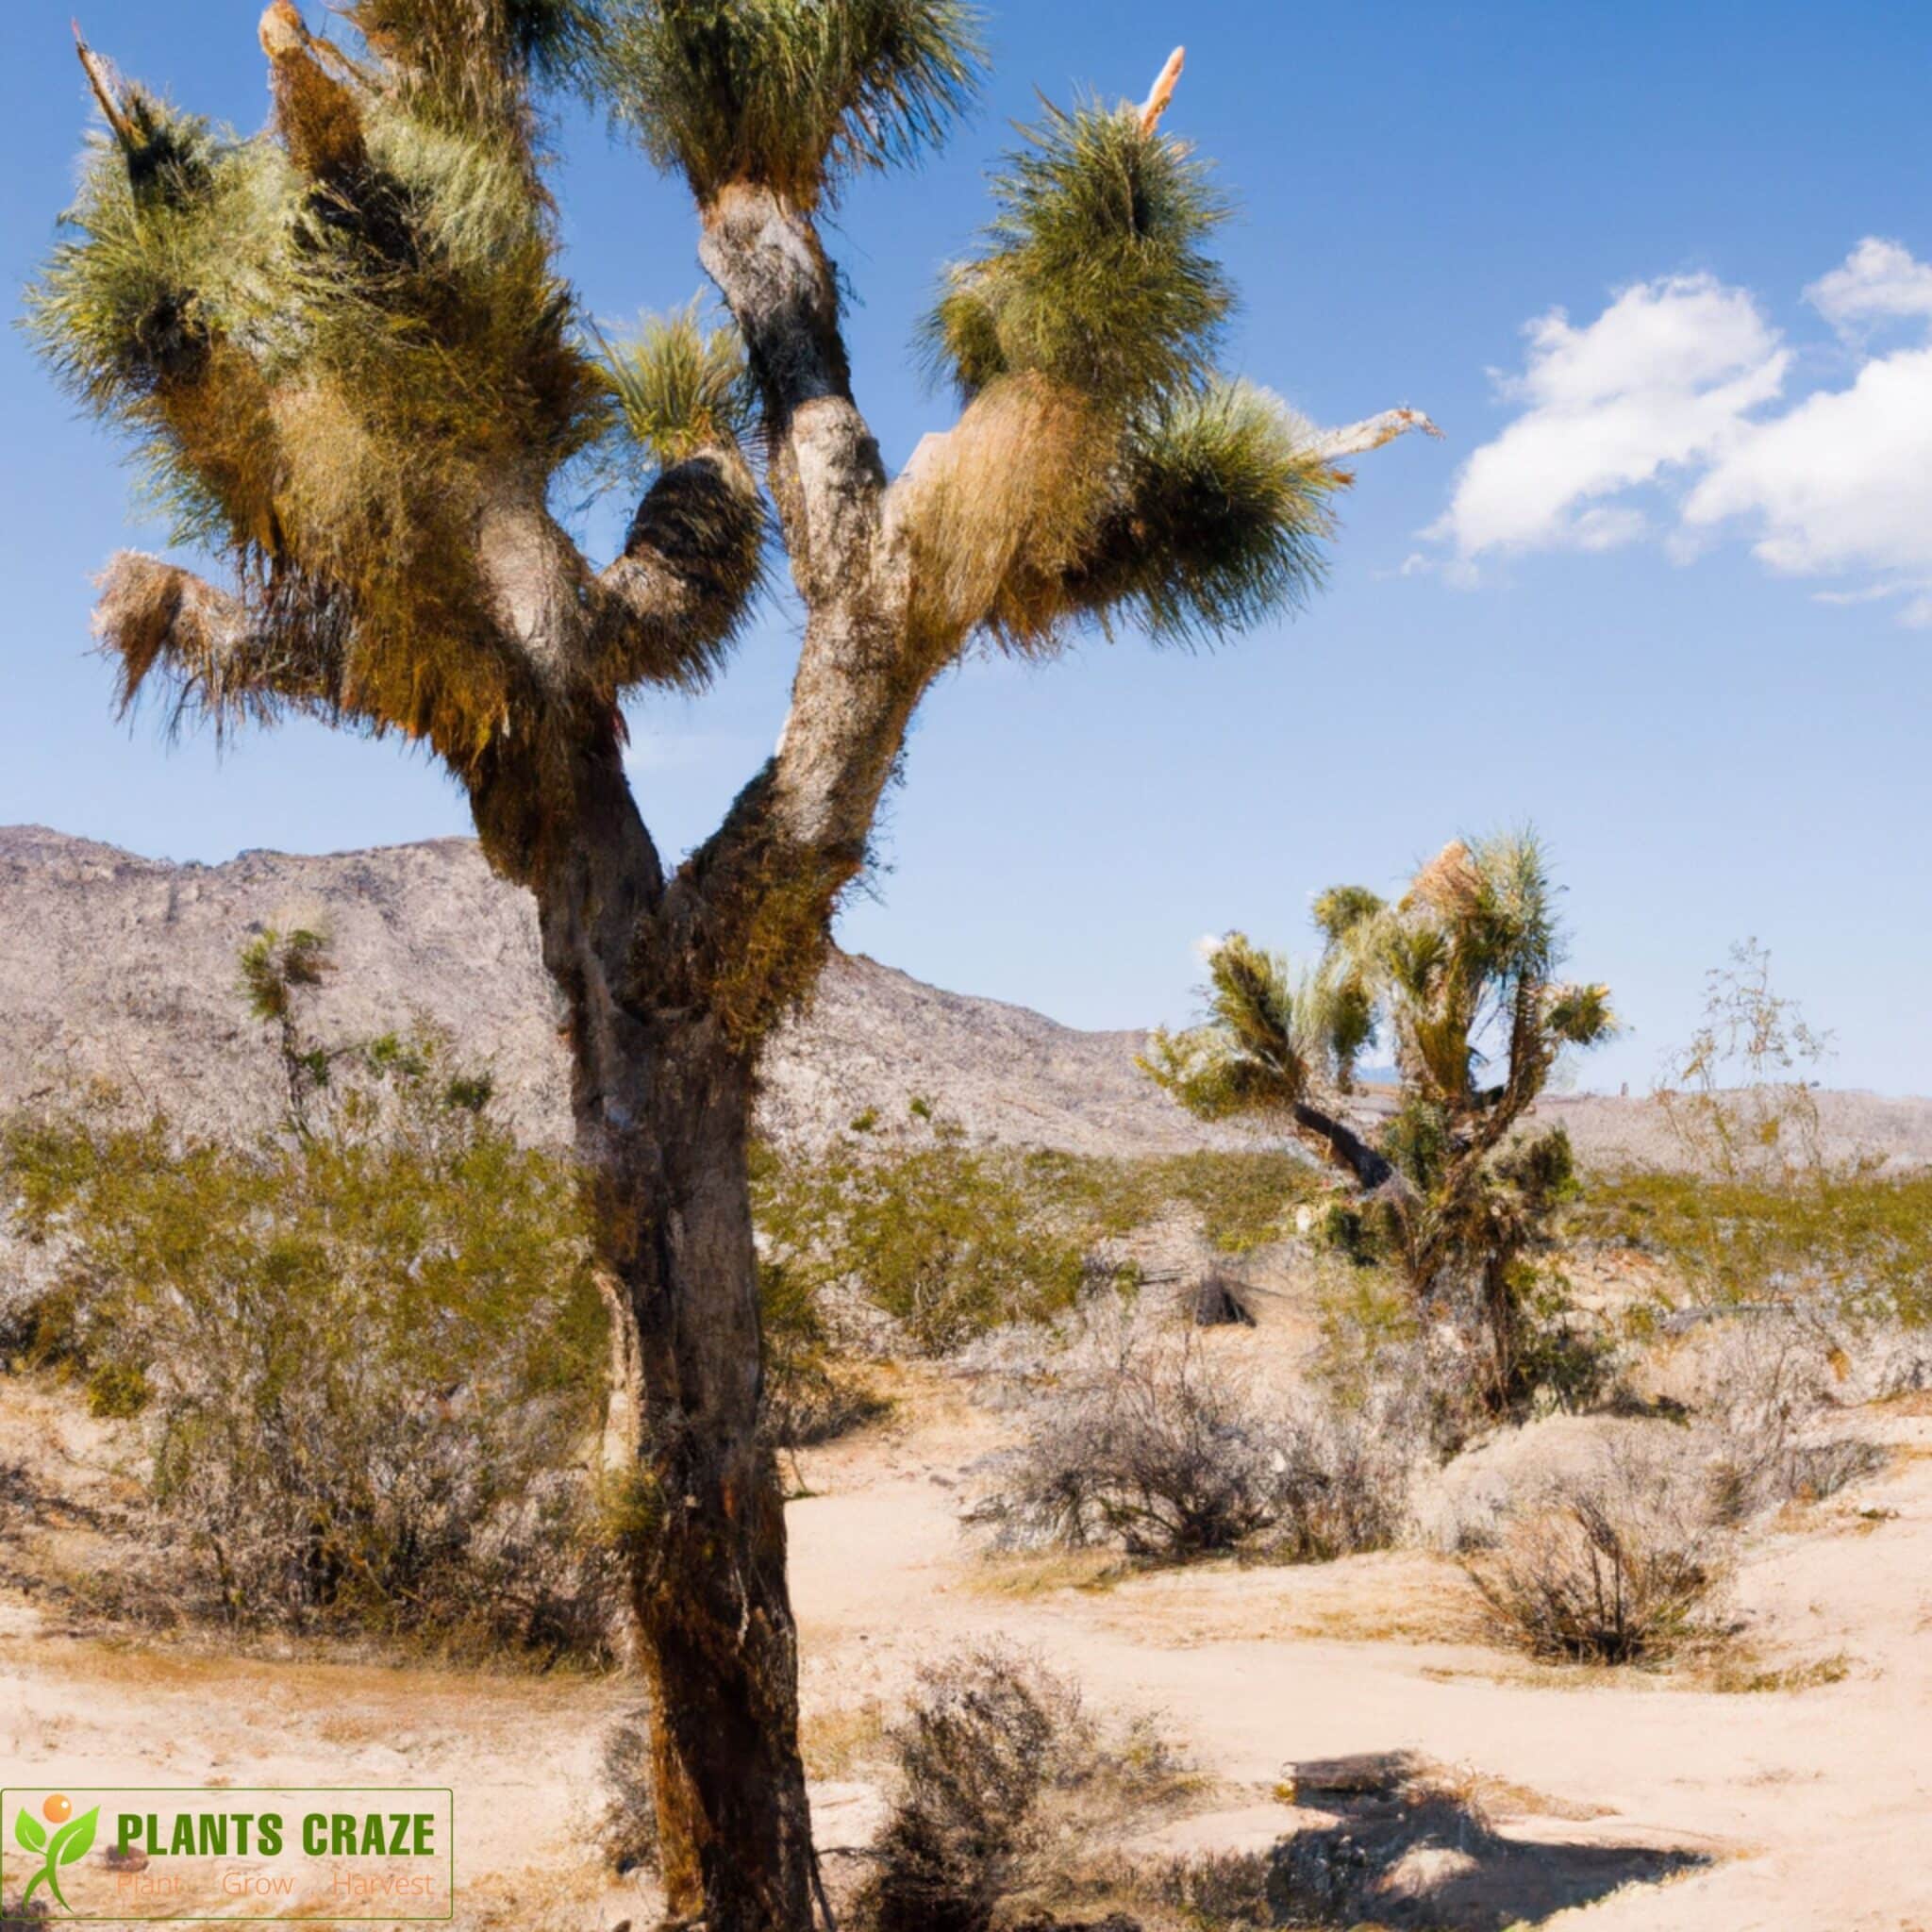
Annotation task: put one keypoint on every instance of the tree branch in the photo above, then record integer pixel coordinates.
(99, 79)
(227, 664)
(1162, 90)
(765, 257)
(667, 610)
(1371, 432)
(1340, 1143)
(752, 909)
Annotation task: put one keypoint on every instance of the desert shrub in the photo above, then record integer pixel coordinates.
(1767, 1380)
(953, 1240)
(1143, 1440)
(627, 1827)
(1860, 1239)
(810, 1394)
(366, 1354)
(1341, 1484)
(1616, 1566)
(1564, 1359)
(988, 1733)
(1242, 1201)
(945, 1238)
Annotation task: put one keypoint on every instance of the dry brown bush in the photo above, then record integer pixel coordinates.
(1616, 1566)
(1145, 1439)
(987, 1734)
(1770, 1379)
(1217, 1888)
(628, 1830)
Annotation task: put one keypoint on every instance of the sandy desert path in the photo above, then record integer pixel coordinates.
(1654, 1804)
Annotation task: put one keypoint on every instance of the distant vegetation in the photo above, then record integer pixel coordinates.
(1754, 1211)
(368, 1352)
(1862, 1241)
(951, 1239)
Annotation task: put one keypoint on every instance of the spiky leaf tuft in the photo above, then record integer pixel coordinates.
(1095, 271)
(680, 387)
(470, 63)
(1217, 522)
(790, 95)
(1262, 1047)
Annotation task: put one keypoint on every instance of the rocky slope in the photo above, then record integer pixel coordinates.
(122, 970)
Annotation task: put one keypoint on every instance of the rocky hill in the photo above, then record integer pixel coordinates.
(122, 970)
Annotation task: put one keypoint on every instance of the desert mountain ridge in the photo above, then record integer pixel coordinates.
(119, 969)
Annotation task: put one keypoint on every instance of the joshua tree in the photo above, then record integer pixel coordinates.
(1460, 975)
(346, 352)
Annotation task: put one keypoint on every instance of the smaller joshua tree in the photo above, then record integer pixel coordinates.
(1459, 978)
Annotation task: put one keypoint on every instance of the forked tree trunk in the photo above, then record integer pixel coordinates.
(662, 1107)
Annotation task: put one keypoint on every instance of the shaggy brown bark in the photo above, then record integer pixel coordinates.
(661, 1095)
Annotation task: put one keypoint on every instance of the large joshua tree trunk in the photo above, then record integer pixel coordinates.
(661, 1100)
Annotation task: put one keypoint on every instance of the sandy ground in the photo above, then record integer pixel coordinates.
(1794, 1810)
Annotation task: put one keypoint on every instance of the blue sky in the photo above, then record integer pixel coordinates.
(1664, 588)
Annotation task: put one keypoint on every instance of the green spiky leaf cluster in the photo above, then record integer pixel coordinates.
(1465, 966)
(1095, 271)
(788, 94)
(1163, 495)
(1271, 1040)
(681, 387)
(329, 368)
(1217, 519)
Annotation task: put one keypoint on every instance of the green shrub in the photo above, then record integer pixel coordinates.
(810, 1394)
(1860, 1239)
(367, 1356)
(953, 1240)
(932, 1232)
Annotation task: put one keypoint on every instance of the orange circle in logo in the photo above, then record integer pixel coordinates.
(58, 1811)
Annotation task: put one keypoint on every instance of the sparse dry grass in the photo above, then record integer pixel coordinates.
(1405, 1597)
(1042, 1572)
(838, 1742)
(1738, 1671)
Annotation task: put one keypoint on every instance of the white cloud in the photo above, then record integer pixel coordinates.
(1660, 379)
(1868, 593)
(1841, 482)
(1657, 420)
(1878, 280)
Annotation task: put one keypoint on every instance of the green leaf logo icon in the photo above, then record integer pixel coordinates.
(67, 1846)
